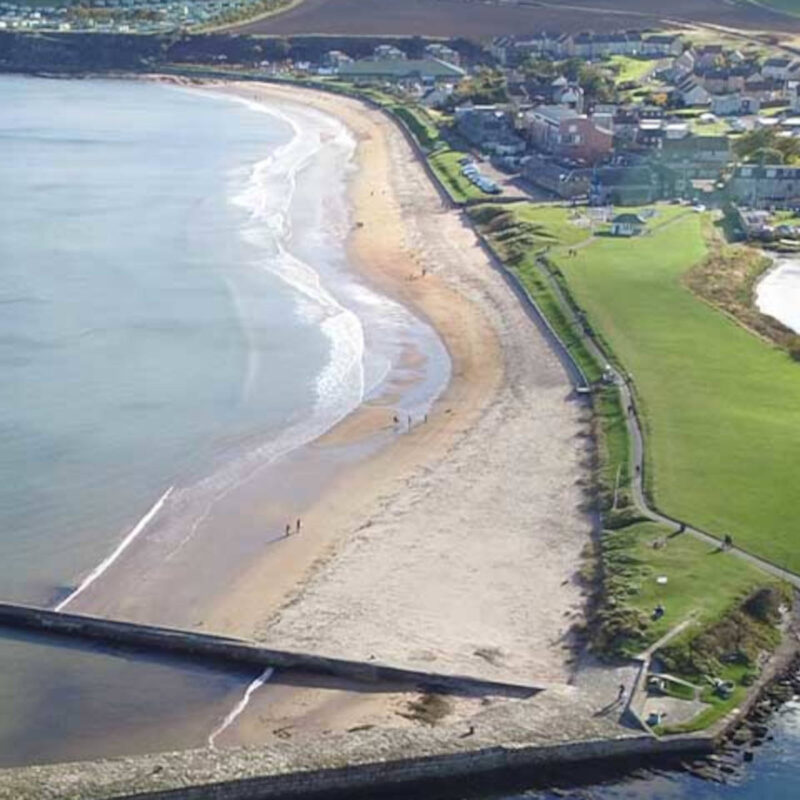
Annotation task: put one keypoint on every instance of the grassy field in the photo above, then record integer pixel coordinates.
(720, 127)
(631, 69)
(703, 583)
(420, 125)
(722, 408)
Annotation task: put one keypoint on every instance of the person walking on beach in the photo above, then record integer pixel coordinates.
(297, 528)
(409, 421)
(288, 529)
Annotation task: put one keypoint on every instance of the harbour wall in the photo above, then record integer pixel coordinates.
(222, 649)
(447, 774)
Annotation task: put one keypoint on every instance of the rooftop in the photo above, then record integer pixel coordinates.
(401, 68)
(556, 113)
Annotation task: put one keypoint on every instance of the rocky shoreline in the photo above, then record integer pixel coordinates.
(739, 744)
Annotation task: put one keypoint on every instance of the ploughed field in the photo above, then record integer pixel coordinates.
(481, 19)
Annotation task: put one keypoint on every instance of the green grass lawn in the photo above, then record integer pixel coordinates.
(421, 126)
(722, 408)
(702, 582)
(552, 225)
(631, 69)
(720, 127)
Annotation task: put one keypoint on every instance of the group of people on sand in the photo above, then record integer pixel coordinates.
(396, 420)
(296, 527)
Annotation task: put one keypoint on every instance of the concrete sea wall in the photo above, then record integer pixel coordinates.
(223, 649)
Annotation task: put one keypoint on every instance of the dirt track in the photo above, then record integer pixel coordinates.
(481, 19)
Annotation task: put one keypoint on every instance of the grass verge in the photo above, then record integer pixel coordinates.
(445, 164)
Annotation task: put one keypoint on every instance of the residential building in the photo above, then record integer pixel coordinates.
(676, 130)
(335, 59)
(559, 91)
(562, 130)
(590, 45)
(793, 96)
(650, 133)
(444, 53)
(625, 185)
(438, 96)
(490, 128)
(692, 93)
(722, 81)
(770, 185)
(696, 157)
(511, 51)
(735, 104)
(777, 68)
(766, 90)
(682, 66)
(563, 181)
(709, 56)
(388, 52)
(662, 45)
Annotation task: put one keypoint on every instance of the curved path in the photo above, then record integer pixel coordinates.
(636, 439)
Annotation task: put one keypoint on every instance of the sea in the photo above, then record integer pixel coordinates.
(177, 309)
(778, 292)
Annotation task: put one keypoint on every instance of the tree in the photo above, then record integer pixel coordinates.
(766, 155)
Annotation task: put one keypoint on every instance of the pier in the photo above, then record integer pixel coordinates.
(197, 646)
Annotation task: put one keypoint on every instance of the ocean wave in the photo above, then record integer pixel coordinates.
(267, 198)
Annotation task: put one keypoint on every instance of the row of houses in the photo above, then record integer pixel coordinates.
(752, 185)
(511, 51)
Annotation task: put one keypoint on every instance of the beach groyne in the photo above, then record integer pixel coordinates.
(226, 650)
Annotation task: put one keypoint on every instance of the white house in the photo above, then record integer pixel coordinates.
(777, 68)
(676, 130)
(692, 93)
(683, 65)
(627, 225)
(734, 105)
(660, 45)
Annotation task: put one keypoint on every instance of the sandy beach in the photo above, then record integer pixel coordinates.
(450, 545)
(456, 548)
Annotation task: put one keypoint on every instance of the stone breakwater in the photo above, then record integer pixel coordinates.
(223, 649)
(551, 731)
